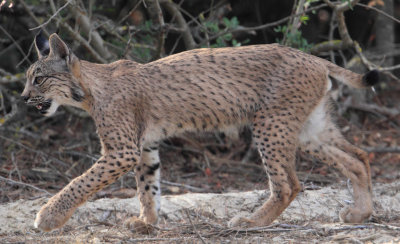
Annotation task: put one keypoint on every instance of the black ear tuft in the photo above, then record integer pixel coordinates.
(371, 78)
(42, 45)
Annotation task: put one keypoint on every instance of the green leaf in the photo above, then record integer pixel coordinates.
(234, 22)
(147, 25)
(278, 29)
(349, 3)
(228, 37)
(304, 19)
(212, 27)
(226, 21)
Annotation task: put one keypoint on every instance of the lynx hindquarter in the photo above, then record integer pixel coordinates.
(280, 92)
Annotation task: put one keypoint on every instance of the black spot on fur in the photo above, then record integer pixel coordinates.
(153, 168)
(371, 78)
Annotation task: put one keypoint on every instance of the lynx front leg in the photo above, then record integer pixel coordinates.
(276, 142)
(104, 172)
(147, 174)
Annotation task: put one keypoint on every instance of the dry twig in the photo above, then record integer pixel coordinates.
(191, 188)
(168, 240)
(186, 34)
(194, 227)
(15, 42)
(158, 18)
(52, 17)
(373, 108)
(84, 43)
(13, 182)
(261, 27)
(12, 78)
(380, 12)
(92, 34)
(32, 15)
(346, 41)
(382, 149)
(35, 151)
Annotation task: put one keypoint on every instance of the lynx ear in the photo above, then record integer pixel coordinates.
(42, 45)
(58, 48)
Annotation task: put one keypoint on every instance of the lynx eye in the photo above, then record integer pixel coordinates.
(38, 80)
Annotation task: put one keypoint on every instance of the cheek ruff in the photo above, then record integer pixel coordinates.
(51, 108)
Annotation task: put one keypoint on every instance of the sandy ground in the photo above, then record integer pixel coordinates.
(202, 218)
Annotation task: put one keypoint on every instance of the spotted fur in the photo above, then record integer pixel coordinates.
(282, 93)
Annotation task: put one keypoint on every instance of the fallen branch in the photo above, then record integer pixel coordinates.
(390, 227)
(382, 149)
(13, 182)
(191, 188)
(373, 108)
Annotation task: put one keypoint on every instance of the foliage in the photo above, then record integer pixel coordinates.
(293, 36)
(293, 39)
(215, 28)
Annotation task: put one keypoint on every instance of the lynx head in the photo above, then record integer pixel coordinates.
(54, 79)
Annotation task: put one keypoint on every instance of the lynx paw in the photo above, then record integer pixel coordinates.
(48, 218)
(138, 225)
(354, 215)
(241, 221)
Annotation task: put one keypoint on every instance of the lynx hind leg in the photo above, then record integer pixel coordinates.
(337, 140)
(276, 141)
(147, 174)
(321, 139)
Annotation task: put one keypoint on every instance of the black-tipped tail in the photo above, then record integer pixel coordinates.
(371, 78)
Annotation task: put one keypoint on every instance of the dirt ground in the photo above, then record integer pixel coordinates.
(202, 218)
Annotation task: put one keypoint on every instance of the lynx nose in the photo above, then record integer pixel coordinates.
(25, 98)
